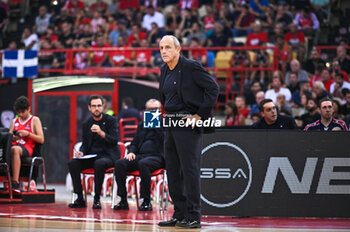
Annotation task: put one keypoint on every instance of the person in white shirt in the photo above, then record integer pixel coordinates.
(277, 88)
(30, 40)
(152, 16)
(338, 85)
(42, 21)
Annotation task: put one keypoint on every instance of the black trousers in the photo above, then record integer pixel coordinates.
(99, 164)
(183, 161)
(146, 165)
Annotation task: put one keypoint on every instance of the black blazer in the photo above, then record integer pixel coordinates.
(109, 126)
(141, 136)
(196, 88)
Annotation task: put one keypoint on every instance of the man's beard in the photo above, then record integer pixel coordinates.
(311, 109)
(97, 115)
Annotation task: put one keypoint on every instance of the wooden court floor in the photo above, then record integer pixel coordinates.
(58, 217)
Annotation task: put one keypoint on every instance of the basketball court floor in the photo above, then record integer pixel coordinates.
(58, 217)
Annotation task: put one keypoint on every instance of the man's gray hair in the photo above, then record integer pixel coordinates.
(175, 40)
(153, 100)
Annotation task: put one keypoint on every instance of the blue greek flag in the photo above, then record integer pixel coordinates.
(20, 63)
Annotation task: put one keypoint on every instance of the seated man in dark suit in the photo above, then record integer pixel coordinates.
(146, 155)
(271, 119)
(100, 137)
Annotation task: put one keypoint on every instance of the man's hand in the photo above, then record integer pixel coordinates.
(131, 156)
(78, 154)
(196, 117)
(15, 137)
(22, 133)
(96, 128)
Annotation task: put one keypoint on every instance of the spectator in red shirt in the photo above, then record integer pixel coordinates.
(99, 58)
(326, 79)
(209, 20)
(143, 59)
(135, 37)
(244, 22)
(111, 24)
(243, 111)
(199, 54)
(296, 39)
(284, 53)
(308, 23)
(125, 4)
(232, 118)
(257, 36)
(99, 5)
(50, 34)
(317, 74)
(73, 5)
(122, 57)
(81, 20)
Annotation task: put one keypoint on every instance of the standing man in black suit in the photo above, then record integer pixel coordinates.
(185, 88)
(146, 154)
(100, 136)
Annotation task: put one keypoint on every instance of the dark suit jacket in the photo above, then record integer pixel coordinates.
(196, 88)
(130, 112)
(109, 126)
(142, 134)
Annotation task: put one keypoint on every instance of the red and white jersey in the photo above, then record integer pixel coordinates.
(27, 125)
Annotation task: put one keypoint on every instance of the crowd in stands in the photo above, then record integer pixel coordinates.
(293, 26)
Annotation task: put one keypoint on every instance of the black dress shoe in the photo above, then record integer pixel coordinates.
(189, 224)
(121, 206)
(77, 204)
(97, 204)
(146, 206)
(171, 222)
(15, 185)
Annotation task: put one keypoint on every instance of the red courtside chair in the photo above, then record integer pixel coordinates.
(162, 172)
(127, 129)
